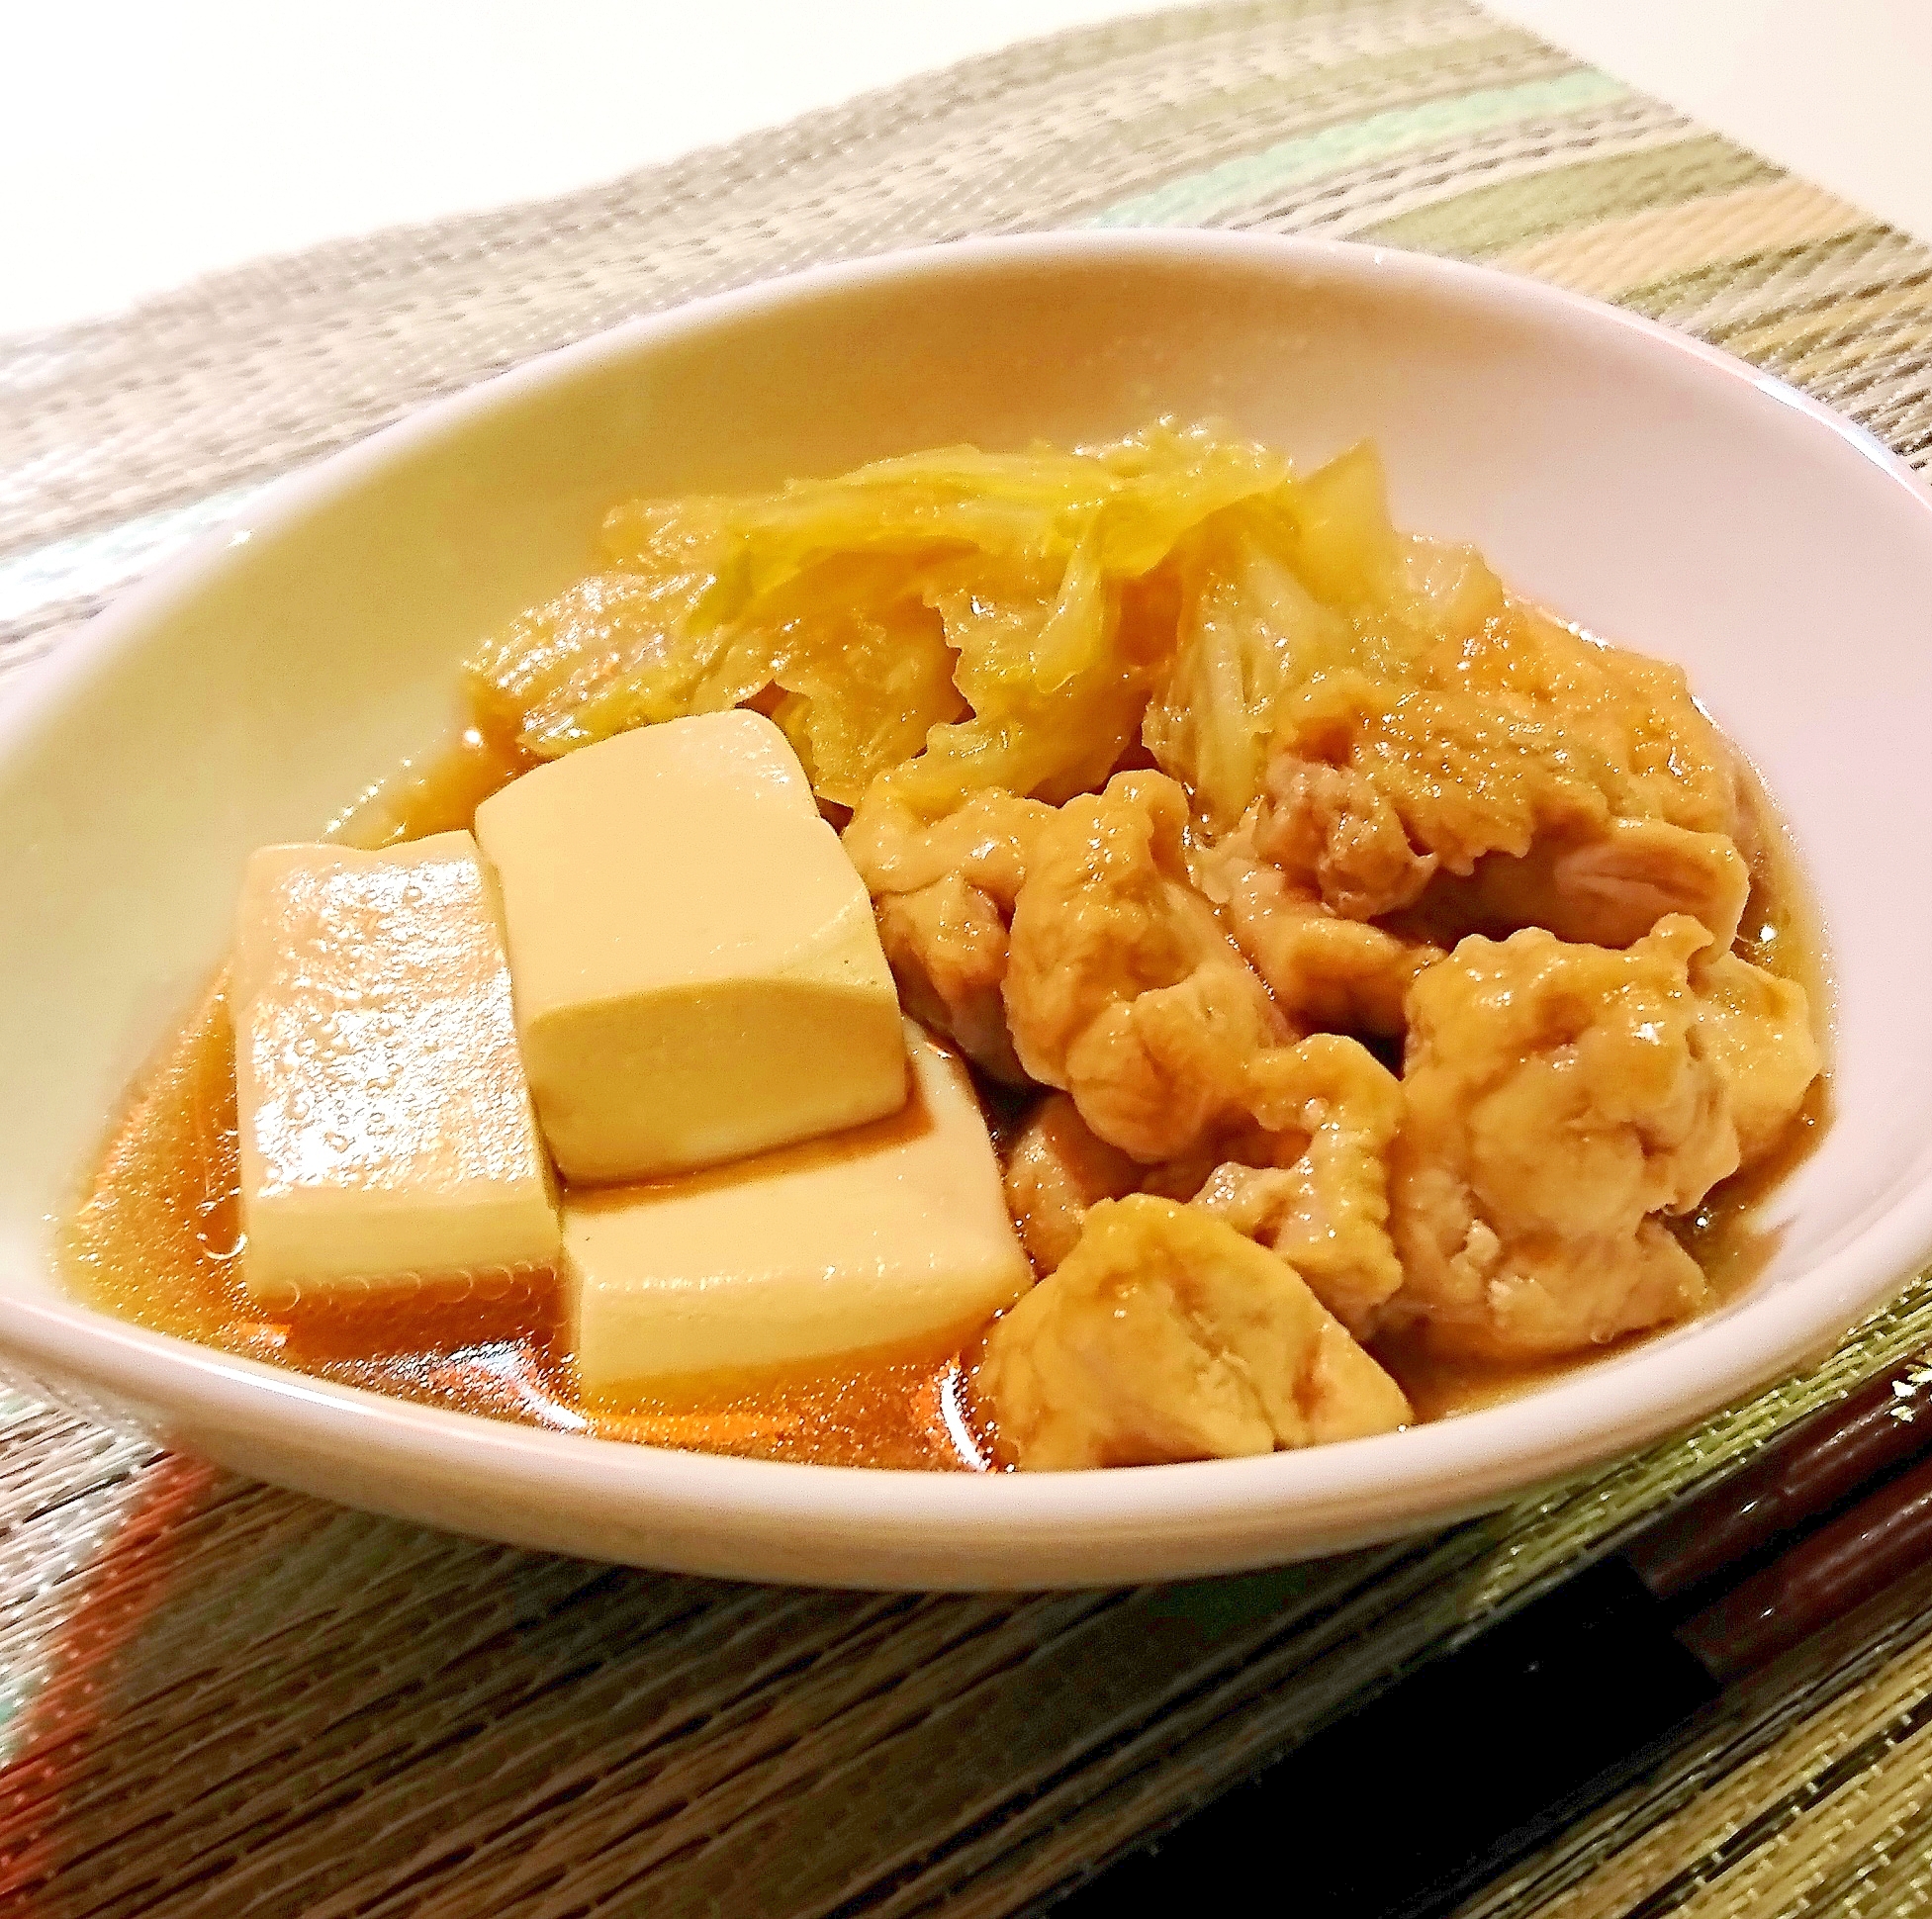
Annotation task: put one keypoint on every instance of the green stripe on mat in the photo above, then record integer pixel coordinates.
(1198, 198)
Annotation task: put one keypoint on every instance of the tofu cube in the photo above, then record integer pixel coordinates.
(894, 1235)
(696, 971)
(387, 1133)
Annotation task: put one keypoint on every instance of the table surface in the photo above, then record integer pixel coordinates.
(152, 145)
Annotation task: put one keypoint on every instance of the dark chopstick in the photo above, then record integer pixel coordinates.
(1806, 1472)
(1828, 1573)
(1424, 1794)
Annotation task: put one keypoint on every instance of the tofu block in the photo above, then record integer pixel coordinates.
(696, 971)
(387, 1133)
(891, 1234)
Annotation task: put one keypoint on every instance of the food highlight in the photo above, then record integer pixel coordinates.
(1049, 959)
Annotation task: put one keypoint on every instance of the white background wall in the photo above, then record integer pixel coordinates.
(144, 141)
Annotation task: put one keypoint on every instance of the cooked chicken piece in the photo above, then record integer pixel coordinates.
(1755, 1028)
(1057, 1168)
(1535, 723)
(1325, 971)
(1334, 829)
(1559, 1098)
(947, 947)
(1306, 1174)
(984, 841)
(1121, 987)
(1166, 1336)
(1513, 737)
(1329, 1111)
(942, 891)
(1606, 887)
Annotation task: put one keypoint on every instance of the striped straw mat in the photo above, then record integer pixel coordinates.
(219, 1698)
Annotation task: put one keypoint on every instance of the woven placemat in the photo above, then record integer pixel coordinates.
(219, 1699)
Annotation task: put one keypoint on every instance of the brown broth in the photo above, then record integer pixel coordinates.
(157, 1241)
(158, 1238)
(1781, 933)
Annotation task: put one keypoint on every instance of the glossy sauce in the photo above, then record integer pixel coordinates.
(157, 1240)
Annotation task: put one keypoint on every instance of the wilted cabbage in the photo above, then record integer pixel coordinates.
(956, 621)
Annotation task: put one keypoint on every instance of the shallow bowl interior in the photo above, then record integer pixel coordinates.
(1664, 497)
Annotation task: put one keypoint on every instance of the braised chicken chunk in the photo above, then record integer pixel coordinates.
(1326, 971)
(1755, 1031)
(1168, 1335)
(942, 892)
(1121, 988)
(1336, 829)
(1482, 743)
(1605, 885)
(1464, 754)
(1057, 1168)
(1305, 1176)
(1328, 1111)
(1561, 1102)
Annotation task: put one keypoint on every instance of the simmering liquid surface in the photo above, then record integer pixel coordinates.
(157, 1240)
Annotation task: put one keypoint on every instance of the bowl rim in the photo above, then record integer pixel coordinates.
(1346, 1492)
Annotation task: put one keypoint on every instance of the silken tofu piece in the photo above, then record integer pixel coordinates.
(892, 1235)
(696, 971)
(387, 1133)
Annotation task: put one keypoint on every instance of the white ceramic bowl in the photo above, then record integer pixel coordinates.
(1662, 494)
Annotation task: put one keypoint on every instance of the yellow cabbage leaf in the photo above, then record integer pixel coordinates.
(949, 620)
